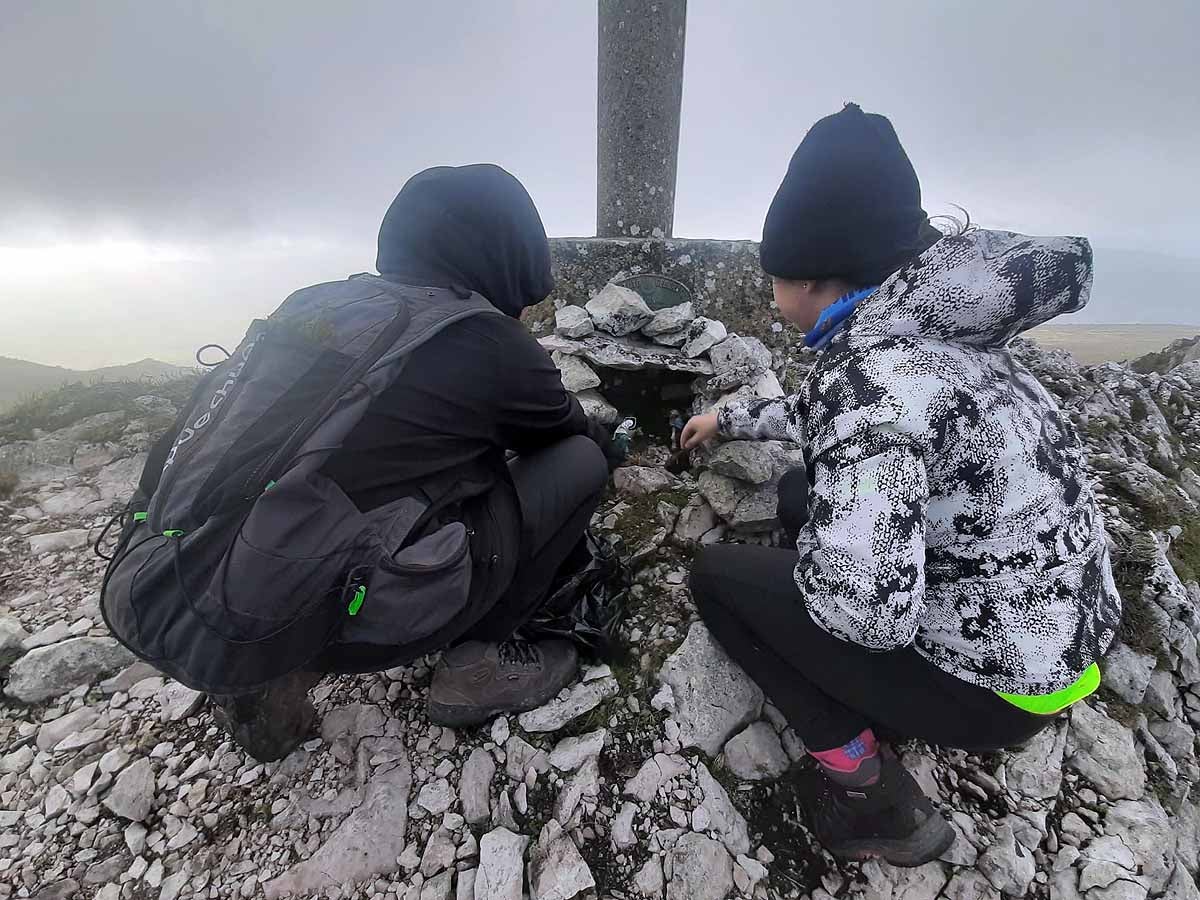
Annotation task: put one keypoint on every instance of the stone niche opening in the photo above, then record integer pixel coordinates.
(658, 398)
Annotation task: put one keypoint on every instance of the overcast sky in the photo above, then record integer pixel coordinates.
(169, 170)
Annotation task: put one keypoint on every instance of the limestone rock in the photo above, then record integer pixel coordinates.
(1035, 771)
(436, 796)
(700, 870)
(703, 334)
(596, 408)
(724, 819)
(70, 502)
(1006, 864)
(738, 361)
(622, 833)
(580, 699)
(714, 698)
(576, 374)
(571, 753)
(1143, 827)
(671, 320)
(51, 671)
(969, 884)
(475, 786)
(1127, 672)
(54, 731)
(751, 461)
(640, 480)
(619, 310)
(365, 844)
(649, 879)
(573, 322)
(132, 795)
(744, 506)
(1104, 752)
(440, 887)
(654, 773)
(556, 869)
(439, 852)
(178, 701)
(501, 857)
(756, 754)
(12, 634)
(72, 539)
(696, 519)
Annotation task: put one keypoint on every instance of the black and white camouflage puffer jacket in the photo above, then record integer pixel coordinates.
(948, 499)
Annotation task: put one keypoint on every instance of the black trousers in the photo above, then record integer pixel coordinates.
(558, 488)
(830, 690)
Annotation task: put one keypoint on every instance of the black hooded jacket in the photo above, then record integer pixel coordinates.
(482, 386)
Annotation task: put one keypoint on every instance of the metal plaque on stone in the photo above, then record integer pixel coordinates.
(659, 291)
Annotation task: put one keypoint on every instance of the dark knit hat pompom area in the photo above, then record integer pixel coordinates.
(849, 206)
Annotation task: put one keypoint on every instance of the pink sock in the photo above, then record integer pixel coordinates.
(848, 758)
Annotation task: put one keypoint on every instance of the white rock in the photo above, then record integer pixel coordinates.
(724, 818)
(756, 754)
(72, 539)
(521, 756)
(501, 857)
(365, 844)
(597, 408)
(714, 698)
(556, 869)
(465, 888)
(1143, 827)
(738, 361)
(573, 322)
(475, 786)
(622, 833)
(1035, 771)
(1104, 752)
(703, 334)
(53, 732)
(500, 731)
(570, 753)
(654, 773)
(51, 634)
(440, 887)
(132, 794)
(57, 800)
(52, 671)
(576, 374)
(700, 870)
(1127, 672)
(580, 699)
(671, 320)
(583, 782)
(749, 461)
(439, 852)
(745, 506)
(436, 797)
(1006, 864)
(649, 878)
(12, 636)
(639, 480)
(618, 310)
(178, 701)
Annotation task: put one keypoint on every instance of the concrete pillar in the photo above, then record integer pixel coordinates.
(640, 88)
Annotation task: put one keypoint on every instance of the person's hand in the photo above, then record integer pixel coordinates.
(699, 430)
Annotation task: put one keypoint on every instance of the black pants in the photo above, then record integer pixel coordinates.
(558, 489)
(830, 690)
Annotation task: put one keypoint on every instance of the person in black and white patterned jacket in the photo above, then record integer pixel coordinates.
(951, 580)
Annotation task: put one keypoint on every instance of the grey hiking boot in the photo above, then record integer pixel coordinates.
(269, 723)
(475, 681)
(891, 820)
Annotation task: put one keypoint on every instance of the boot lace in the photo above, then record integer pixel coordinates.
(519, 653)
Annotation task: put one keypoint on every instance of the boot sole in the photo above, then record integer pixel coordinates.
(926, 844)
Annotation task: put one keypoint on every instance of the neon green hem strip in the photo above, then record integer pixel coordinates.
(1049, 704)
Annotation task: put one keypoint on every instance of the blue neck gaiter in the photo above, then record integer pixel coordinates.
(834, 315)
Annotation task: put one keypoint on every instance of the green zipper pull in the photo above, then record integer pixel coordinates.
(141, 516)
(356, 603)
(172, 532)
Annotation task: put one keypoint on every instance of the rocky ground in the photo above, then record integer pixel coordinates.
(663, 772)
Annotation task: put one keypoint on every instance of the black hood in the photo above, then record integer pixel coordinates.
(468, 227)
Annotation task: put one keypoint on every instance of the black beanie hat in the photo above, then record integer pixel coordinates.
(849, 206)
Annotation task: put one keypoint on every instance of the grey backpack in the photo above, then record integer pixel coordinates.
(239, 560)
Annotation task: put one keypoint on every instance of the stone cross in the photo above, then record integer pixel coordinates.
(639, 92)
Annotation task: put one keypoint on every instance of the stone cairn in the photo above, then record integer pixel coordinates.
(617, 330)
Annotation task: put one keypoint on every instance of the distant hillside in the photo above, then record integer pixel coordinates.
(20, 379)
(1091, 344)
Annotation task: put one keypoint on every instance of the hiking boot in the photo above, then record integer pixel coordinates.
(269, 723)
(475, 681)
(891, 820)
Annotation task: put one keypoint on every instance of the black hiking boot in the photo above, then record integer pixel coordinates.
(891, 820)
(269, 723)
(476, 681)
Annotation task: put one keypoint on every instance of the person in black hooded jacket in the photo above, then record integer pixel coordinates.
(481, 391)
(480, 424)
